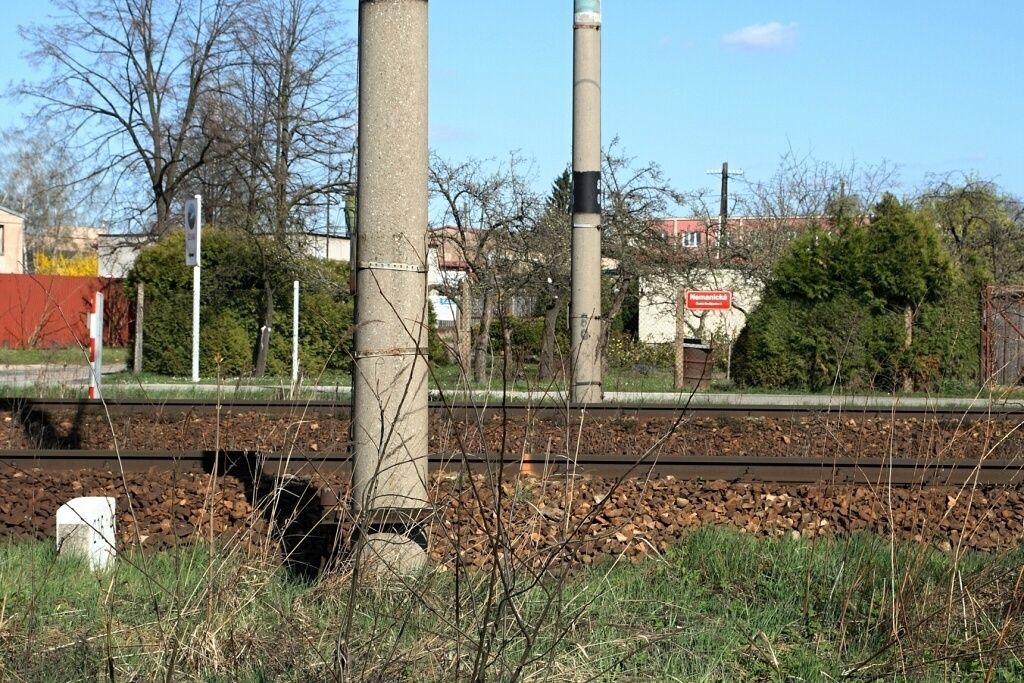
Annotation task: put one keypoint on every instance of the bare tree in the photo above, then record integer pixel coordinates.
(550, 240)
(483, 213)
(292, 106)
(636, 199)
(801, 193)
(126, 81)
(38, 178)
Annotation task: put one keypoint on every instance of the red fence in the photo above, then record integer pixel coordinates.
(50, 311)
(1002, 336)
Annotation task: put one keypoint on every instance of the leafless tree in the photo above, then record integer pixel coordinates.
(483, 214)
(802, 192)
(39, 179)
(550, 240)
(289, 117)
(636, 198)
(125, 81)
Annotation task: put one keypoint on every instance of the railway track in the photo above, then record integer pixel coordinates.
(172, 408)
(765, 469)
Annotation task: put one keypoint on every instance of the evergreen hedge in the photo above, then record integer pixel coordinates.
(232, 304)
(836, 308)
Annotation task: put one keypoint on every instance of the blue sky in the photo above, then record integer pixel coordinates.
(933, 86)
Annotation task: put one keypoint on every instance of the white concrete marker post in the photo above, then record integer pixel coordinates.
(193, 257)
(295, 335)
(96, 346)
(86, 528)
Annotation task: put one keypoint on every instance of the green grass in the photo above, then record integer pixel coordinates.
(127, 384)
(58, 356)
(720, 607)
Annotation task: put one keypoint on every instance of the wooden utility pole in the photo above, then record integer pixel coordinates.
(680, 346)
(723, 206)
(140, 308)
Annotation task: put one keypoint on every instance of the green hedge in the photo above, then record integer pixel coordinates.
(527, 336)
(834, 312)
(232, 304)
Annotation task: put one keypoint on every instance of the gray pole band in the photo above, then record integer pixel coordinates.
(586, 192)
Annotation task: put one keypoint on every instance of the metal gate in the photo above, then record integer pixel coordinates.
(1002, 336)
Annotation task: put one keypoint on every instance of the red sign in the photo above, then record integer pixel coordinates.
(708, 300)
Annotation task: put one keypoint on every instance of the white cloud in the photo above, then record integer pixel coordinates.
(770, 36)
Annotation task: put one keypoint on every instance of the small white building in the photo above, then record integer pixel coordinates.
(446, 268)
(12, 241)
(328, 247)
(658, 297)
(117, 253)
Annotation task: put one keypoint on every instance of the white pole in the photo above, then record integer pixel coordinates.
(295, 334)
(96, 344)
(195, 289)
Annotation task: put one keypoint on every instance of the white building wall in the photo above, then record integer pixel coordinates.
(329, 247)
(440, 282)
(658, 305)
(117, 253)
(12, 251)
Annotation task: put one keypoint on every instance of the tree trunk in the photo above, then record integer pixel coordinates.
(464, 330)
(605, 322)
(908, 340)
(549, 342)
(264, 344)
(483, 340)
(163, 214)
(506, 348)
(140, 311)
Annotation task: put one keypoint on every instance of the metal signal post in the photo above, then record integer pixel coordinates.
(193, 257)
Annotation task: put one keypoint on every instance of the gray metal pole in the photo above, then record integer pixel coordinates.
(389, 427)
(585, 306)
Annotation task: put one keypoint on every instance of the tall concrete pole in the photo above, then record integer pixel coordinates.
(585, 306)
(389, 426)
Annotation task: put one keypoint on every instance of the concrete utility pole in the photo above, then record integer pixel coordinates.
(723, 207)
(389, 427)
(585, 305)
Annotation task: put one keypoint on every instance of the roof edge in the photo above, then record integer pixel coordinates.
(12, 212)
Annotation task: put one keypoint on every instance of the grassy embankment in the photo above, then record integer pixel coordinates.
(719, 607)
(57, 356)
(333, 383)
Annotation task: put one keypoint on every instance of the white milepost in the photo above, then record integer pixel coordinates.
(193, 257)
(86, 528)
(295, 334)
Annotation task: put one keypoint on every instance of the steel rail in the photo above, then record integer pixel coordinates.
(169, 408)
(757, 469)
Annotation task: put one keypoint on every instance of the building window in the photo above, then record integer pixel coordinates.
(1, 240)
(691, 239)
